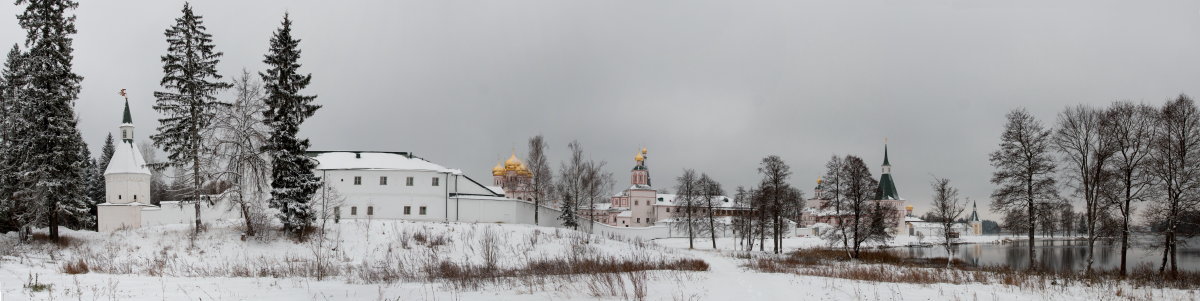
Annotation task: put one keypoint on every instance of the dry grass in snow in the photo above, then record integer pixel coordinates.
(465, 256)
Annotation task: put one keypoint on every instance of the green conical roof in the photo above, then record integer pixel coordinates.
(974, 214)
(128, 118)
(887, 188)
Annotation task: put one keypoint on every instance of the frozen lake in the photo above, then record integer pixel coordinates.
(1063, 254)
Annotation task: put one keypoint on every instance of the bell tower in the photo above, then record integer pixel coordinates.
(126, 122)
(640, 176)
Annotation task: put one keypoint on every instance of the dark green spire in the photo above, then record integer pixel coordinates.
(974, 213)
(887, 186)
(128, 118)
(885, 157)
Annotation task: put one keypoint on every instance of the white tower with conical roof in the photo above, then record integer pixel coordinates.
(126, 183)
(976, 225)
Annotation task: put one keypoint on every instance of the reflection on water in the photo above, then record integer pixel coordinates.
(1061, 255)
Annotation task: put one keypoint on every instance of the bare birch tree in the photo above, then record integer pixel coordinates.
(571, 186)
(1087, 150)
(1176, 165)
(597, 184)
(947, 208)
(775, 189)
(686, 192)
(711, 195)
(860, 188)
(240, 134)
(833, 187)
(1133, 127)
(542, 181)
(1024, 170)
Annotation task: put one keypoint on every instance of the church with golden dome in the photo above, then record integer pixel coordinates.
(513, 178)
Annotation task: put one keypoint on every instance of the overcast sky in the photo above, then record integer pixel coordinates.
(709, 85)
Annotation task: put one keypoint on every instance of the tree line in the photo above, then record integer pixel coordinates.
(1123, 161)
(245, 150)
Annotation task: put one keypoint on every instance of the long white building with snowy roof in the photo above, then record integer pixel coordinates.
(399, 185)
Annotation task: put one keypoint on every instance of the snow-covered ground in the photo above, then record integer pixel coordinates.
(192, 271)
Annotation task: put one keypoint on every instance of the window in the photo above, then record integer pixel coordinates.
(357, 180)
(382, 180)
(407, 210)
(370, 210)
(408, 181)
(635, 203)
(435, 181)
(337, 212)
(354, 210)
(118, 197)
(668, 210)
(639, 220)
(135, 197)
(422, 208)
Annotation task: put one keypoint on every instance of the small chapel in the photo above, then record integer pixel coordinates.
(126, 183)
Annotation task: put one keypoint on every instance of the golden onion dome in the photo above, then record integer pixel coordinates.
(909, 207)
(639, 157)
(512, 162)
(643, 150)
(498, 170)
(819, 181)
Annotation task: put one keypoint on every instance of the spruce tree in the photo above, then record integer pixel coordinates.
(92, 182)
(96, 176)
(106, 154)
(189, 103)
(292, 180)
(569, 217)
(50, 171)
(11, 78)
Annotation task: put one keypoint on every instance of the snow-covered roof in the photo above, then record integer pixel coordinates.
(625, 214)
(823, 212)
(821, 226)
(496, 189)
(127, 159)
(725, 220)
(935, 225)
(670, 200)
(600, 206)
(134, 204)
(376, 161)
(913, 219)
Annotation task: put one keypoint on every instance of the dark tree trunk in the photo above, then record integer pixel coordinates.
(53, 219)
(1125, 222)
(1032, 223)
